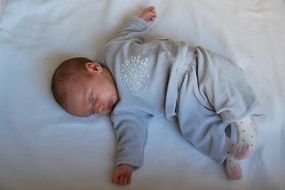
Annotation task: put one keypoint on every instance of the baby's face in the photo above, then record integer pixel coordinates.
(95, 94)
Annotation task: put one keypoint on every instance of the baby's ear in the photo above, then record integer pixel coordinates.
(93, 67)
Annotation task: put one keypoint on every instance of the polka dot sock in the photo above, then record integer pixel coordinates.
(231, 164)
(246, 134)
(233, 168)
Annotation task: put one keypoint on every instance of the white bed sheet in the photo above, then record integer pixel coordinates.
(42, 147)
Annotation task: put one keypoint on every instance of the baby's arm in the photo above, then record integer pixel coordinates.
(137, 26)
(130, 132)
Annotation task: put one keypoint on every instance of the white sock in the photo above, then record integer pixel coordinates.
(231, 164)
(246, 135)
(233, 168)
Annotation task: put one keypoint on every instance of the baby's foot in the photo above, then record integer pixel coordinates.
(246, 138)
(233, 169)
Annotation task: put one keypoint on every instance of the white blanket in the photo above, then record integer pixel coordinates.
(42, 147)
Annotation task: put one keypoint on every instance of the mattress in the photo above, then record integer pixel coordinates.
(43, 147)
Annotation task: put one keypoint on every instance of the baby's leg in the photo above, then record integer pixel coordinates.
(224, 86)
(246, 135)
(206, 131)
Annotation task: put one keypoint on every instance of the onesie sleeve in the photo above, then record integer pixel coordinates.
(130, 132)
(135, 29)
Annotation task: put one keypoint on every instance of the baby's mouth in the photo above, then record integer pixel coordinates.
(108, 107)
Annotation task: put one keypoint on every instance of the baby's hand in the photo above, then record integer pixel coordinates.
(149, 14)
(123, 174)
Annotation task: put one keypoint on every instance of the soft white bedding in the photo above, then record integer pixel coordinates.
(42, 147)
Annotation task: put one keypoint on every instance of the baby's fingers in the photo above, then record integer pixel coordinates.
(151, 8)
(151, 16)
(115, 179)
(123, 180)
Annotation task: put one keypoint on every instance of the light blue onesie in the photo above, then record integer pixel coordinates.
(200, 89)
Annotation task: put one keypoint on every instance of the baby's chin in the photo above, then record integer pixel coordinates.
(105, 113)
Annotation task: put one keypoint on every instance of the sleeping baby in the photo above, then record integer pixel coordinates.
(137, 80)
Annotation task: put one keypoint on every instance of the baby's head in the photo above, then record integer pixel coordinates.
(83, 87)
